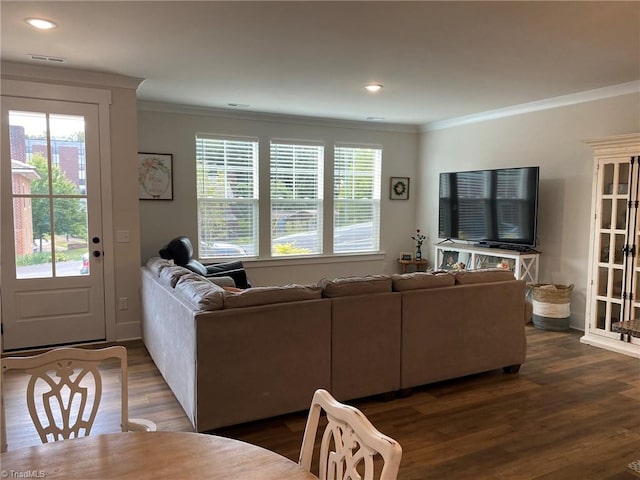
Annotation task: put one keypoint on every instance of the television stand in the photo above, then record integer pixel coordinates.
(523, 264)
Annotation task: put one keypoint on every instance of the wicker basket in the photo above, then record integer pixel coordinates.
(551, 306)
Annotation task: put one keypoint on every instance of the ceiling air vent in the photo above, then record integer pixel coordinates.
(46, 58)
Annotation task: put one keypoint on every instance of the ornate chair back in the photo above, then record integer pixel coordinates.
(65, 389)
(349, 443)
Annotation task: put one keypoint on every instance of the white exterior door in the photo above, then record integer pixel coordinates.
(52, 281)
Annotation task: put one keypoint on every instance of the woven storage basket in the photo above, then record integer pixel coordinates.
(551, 306)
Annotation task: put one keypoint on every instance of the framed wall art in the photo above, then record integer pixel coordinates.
(399, 188)
(155, 176)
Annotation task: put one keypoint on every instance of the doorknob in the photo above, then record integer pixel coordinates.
(96, 253)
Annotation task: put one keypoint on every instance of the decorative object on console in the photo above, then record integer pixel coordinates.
(419, 239)
(449, 260)
(405, 256)
(155, 176)
(505, 264)
(399, 188)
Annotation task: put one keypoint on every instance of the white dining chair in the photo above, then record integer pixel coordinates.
(349, 443)
(64, 391)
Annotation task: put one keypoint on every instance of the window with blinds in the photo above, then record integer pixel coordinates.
(296, 198)
(227, 192)
(356, 199)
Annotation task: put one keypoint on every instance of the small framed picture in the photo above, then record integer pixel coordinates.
(449, 260)
(405, 256)
(155, 176)
(399, 188)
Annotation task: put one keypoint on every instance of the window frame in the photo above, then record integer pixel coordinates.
(376, 193)
(296, 170)
(253, 200)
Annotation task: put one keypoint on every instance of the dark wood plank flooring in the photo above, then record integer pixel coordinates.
(573, 412)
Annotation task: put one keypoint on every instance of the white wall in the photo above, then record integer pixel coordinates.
(171, 129)
(552, 139)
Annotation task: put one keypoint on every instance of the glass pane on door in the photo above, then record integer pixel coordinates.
(621, 214)
(49, 194)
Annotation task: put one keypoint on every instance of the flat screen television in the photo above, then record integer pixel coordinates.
(490, 207)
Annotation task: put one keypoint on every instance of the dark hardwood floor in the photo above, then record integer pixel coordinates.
(573, 412)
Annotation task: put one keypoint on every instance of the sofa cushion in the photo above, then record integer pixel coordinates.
(467, 277)
(171, 274)
(342, 287)
(421, 280)
(255, 296)
(199, 291)
(155, 264)
(224, 281)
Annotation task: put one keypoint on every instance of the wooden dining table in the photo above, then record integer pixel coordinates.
(150, 455)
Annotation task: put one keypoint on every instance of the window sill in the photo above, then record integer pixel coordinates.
(313, 259)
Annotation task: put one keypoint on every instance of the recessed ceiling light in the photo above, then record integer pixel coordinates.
(40, 23)
(238, 105)
(373, 87)
(375, 119)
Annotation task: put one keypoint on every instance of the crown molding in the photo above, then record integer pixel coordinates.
(149, 106)
(25, 71)
(546, 104)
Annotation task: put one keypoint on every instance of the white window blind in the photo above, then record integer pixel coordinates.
(296, 198)
(227, 183)
(357, 179)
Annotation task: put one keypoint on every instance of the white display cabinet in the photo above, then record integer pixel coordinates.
(524, 265)
(614, 269)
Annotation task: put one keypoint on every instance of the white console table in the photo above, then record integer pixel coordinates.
(523, 264)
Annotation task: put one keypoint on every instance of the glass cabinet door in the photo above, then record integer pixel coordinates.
(613, 216)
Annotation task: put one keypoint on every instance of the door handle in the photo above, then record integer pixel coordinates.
(96, 253)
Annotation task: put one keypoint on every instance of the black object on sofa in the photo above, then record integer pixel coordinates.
(180, 251)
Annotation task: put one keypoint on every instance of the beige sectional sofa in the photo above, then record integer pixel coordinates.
(232, 357)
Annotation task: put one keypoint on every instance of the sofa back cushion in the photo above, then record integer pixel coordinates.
(171, 274)
(199, 291)
(155, 264)
(255, 296)
(467, 277)
(421, 280)
(343, 287)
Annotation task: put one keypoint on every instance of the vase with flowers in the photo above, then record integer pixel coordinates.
(419, 239)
